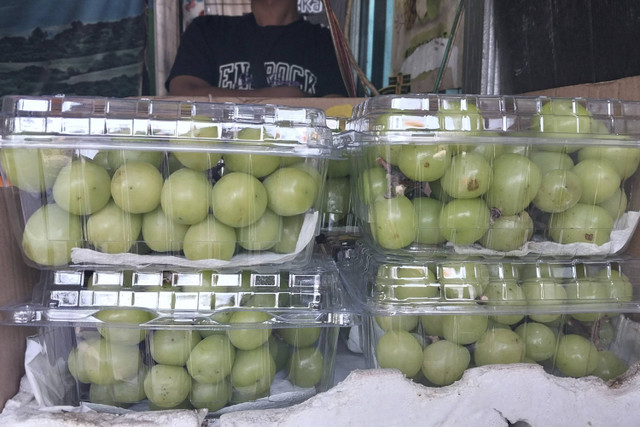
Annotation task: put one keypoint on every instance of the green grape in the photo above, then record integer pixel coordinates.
(117, 158)
(338, 168)
(305, 366)
(467, 177)
(539, 340)
(551, 160)
(397, 322)
(625, 158)
(253, 371)
(587, 290)
(432, 325)
(33, 170)
(172, 346)
(609, 365)
(390, 153)
(444, 362)
(261, 234)
(49, 235)
(124, 335)
(514, 184)
(508, 233)
(75, 364)
(599, 180)
(576, 356)
(136, 187)
(112, 230)
(582, 223)
(372, 183)
(279, 350)
(463, 280)
(185, 404)
(616, 205)
(82, 187)
(290, 191)
(196, 160)
(427, 213)
(336, 198)
(424, 162)
(130, 390)
(258, 165)
(102, 394)
(167, 386)
(393, 222)
(105, 362)
(621, 288)
(289, 234)
(161, 233)
(438, 193)
(505, 293)
(300, 337)
(559, 190)
(464, 221)
(238, 199)
(209, 239)
(399, 350)
(102, 158)
(459, 116)
(566, 117)
(185, 196)
(252, 337)
(543, 292)
(464, 328)
(498, 346)
(488, 151)
(210, 396)
(407, 282)
(211, 359)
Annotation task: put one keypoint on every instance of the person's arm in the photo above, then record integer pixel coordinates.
(185, 85)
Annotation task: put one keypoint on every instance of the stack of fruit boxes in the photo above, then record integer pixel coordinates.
(494, 231)
(176, 244)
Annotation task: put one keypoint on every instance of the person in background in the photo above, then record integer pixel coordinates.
(270, 52)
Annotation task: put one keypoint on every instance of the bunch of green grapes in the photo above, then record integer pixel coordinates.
(208, 368)
(528, 324)
(202, 205)
(497, 195)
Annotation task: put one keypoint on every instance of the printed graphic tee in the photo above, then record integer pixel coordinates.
(227, 51)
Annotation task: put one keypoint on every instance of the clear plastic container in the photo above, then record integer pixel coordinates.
(107, 181)
(158, 339)
(241, 366)
(203, 298)
(434, 320)
(495, 176)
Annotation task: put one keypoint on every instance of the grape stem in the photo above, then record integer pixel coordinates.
(399, 184)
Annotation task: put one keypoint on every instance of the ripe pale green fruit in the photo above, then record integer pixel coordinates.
(49, 235)
(33, 170)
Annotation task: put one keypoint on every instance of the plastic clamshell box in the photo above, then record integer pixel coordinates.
(310, 294)
(256, 338)
(167, 368)
(495, 176)
(435, 319)
(109, 181)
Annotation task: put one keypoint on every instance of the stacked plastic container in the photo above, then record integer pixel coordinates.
(176, 243)
(495, 230)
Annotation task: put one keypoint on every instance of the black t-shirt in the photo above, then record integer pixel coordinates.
(221, 50)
